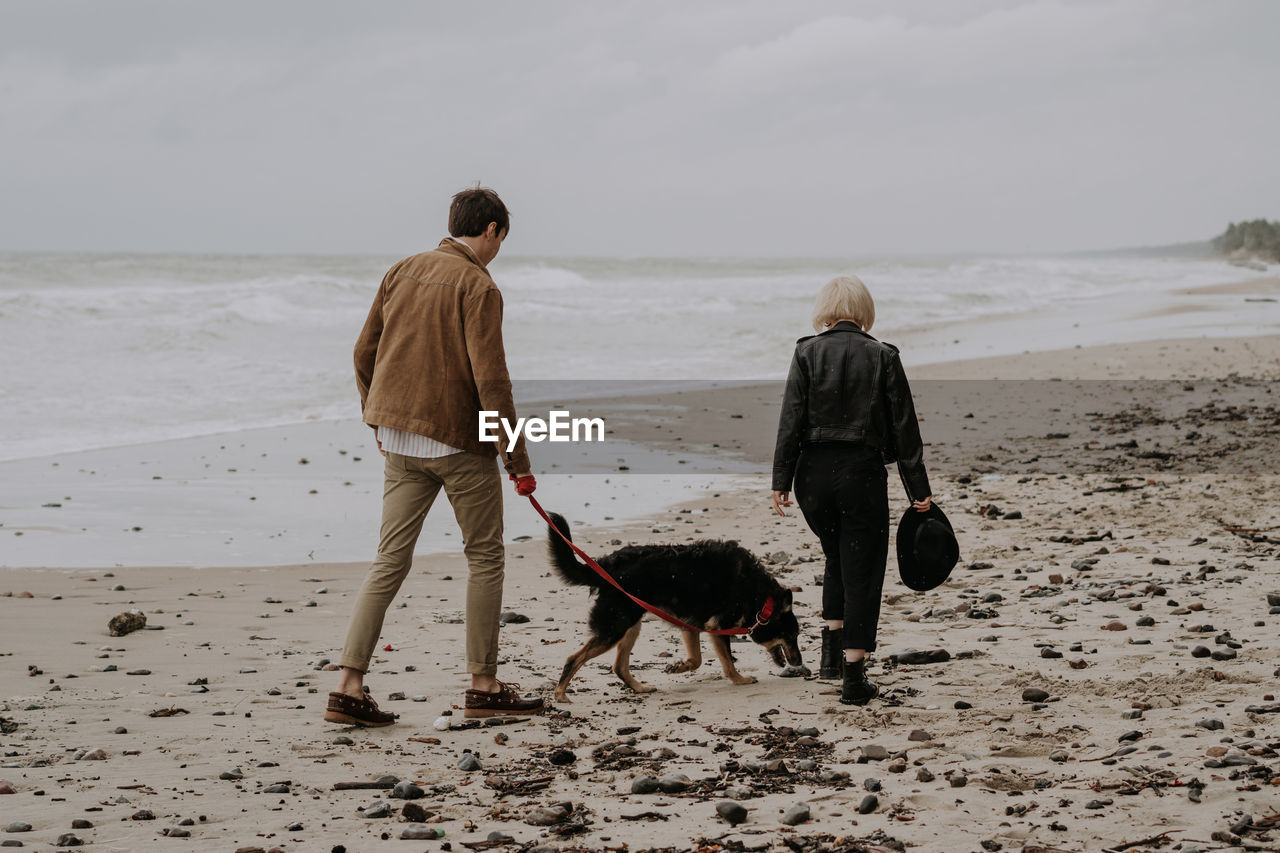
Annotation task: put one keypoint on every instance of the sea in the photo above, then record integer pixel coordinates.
(105, 350)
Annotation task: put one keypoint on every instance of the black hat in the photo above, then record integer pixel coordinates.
(927, 548)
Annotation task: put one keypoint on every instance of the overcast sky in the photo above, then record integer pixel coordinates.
(718, 127)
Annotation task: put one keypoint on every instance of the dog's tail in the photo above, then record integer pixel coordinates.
(563, 559)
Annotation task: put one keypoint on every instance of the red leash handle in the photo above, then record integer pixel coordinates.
(761, 619)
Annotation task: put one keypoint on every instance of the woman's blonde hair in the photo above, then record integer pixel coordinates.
(844, 298)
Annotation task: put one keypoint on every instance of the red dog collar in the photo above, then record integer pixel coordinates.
(762, 618)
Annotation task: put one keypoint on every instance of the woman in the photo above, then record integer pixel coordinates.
(846, 412)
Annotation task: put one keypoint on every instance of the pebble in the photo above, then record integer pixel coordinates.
(378, 809)
(513, 618)
(142, 814)
(959, 780)
(797, 814)
(1200, 652)
(738, 792)
(68, 839)
(343, 740)
(406, 790)
(962, 705)
(548, 815)
(231, 775)
(871, 784)
(924, 775)
(1210, 724)
(561, 757)
(468, 762)
(1034, 694)
(81, 823)
(419, 832)
(176, 832)
(920, 736)
(278, 788)
(831, 777)
(869, 804)
(441, 724)
(675, 783)
(1224, 654)
(733, 813)
(126, 623)
(18, 826)
(645, 785)
(874, 752)
(94, 755)
(1130, 736)
(6, 788)
(1099, 804)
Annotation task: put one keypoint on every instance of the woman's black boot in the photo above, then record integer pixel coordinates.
(832, 663)
(857, 690)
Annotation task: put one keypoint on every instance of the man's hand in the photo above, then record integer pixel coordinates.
(525, 484)
(781, 499)
(380, 450)
(923, 506)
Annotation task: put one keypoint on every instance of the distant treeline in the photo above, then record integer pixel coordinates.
(1258, 238)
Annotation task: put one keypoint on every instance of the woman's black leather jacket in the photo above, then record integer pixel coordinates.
(845, 385)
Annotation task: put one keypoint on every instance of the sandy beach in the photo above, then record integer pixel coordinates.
(1110, 635)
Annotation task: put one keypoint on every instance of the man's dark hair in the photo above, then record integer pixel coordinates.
(472, 211)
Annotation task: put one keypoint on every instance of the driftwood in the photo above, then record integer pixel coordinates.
(1253, 534)
(1146, 842)
(363, 786)
(521, 786)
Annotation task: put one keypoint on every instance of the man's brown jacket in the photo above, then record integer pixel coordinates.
(430, 356)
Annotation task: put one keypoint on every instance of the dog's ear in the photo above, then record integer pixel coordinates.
(783, 599)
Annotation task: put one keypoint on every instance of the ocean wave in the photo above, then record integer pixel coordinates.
(137, 348)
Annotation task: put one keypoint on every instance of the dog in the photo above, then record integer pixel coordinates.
(709, 585)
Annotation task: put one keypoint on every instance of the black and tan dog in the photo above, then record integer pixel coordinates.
(709, 585)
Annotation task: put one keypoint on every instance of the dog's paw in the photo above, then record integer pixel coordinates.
(681, 666)
(564, 698)
(744, 680)
(641, 687)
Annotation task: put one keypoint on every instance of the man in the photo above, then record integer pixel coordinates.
(428, 360)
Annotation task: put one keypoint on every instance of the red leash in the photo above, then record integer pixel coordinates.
(761, 618)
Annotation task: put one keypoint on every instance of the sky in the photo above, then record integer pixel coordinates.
(710, 128)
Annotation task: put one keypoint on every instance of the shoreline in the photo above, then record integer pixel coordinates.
(295, 495)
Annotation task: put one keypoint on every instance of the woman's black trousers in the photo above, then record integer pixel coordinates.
(841, 490)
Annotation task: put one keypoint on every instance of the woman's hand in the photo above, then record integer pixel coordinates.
(781, 499)
(923, 506)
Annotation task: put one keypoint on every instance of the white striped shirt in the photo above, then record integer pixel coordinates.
(412, 444)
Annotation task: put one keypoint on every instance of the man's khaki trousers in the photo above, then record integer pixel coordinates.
(473, 486)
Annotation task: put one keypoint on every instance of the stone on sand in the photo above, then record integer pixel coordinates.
(733, 813)
(127, 623)
(796, 815)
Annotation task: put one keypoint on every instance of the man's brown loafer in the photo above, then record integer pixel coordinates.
(505, 701)
(356, 712)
